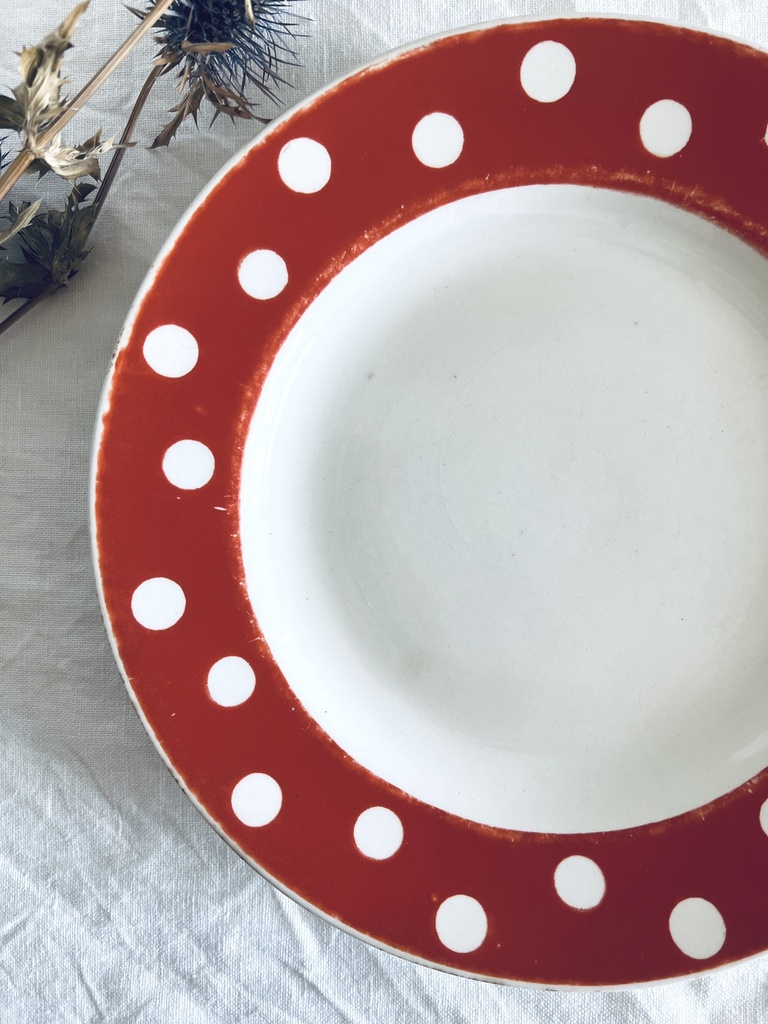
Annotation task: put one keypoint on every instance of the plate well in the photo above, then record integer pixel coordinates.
(503, 509)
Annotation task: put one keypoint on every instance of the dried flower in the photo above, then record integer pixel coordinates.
(53, 244)
(220, 48)
(38, 97)
(37, 102)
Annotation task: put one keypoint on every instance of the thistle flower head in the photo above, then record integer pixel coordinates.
(260, 35)
(221, 48)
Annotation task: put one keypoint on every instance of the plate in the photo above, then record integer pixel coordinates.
(429, 502)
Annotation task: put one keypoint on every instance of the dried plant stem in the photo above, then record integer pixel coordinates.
(101, 195)
(14, 171)
(18, 313)
(125, 138)
(22, 161)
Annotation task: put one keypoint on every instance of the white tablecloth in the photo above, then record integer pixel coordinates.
(117, 901)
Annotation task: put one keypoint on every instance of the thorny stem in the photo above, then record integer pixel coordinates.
(125, 138)
(101, 195)
(23, 159)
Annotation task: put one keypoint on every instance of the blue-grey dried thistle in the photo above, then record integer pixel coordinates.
(220, 49)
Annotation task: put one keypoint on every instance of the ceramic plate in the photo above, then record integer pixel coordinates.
(431, 502)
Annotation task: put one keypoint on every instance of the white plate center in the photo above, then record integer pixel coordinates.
(504, 509)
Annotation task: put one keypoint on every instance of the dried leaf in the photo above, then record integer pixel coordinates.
(22, 280)
(39, 105)
(23, 219)
(54, 247)
(81, 190)
(226, 101)
(40, 65)
(203, 48)
(11, 113)
(66, 29)
(50, 51)
(187, 107)
(40, 168)
(37, 98)
(81, 161)
(69, 164)
(168, 62)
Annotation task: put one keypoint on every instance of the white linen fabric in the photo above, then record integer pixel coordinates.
(118, 902)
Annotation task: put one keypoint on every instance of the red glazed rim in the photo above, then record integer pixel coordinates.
(267, 778)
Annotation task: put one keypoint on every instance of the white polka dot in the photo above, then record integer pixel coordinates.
(304, 165)
(697, 928)
(188, 464)
(665, 128)
(378, 833)
(548, 71)
(158, 603)
(231, 681)
(263, 274)
(171, 350)
(764, 817)
(257, 799)
(461, 924)
(765, 137)
(438, 140)
(579, 882)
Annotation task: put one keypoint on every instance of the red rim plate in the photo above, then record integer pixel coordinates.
(451, 893)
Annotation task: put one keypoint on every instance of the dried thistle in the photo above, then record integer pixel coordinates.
(53, 245)
(37, 102)
(43, 62)
(38, 96)
(220, 48)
